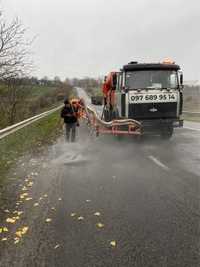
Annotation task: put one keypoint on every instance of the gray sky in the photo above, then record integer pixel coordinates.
(92, 37)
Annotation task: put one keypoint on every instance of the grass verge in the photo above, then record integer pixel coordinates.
(27, 140)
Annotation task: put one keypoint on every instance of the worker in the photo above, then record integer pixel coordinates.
(69, 114)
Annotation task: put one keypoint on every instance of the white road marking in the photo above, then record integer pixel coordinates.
(159, 163)
(193, 129)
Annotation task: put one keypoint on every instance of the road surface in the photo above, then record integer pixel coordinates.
(108, 203)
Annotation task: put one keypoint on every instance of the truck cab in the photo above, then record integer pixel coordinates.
(150, 93)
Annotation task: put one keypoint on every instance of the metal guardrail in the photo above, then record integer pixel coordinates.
(13, 128)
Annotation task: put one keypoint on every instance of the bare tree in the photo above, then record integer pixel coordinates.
(15, 66)
(14, 50)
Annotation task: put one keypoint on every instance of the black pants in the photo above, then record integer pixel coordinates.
(70, 131)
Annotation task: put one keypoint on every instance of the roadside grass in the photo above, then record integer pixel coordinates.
(27, 140)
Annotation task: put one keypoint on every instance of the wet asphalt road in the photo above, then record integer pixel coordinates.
(147, 194)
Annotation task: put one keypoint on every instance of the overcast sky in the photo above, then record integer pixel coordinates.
(92, 37)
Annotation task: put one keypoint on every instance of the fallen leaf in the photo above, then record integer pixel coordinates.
(60, 199)
(53, 208)
(97, 214)
(41, 198)
(6, 211)
(5, 229)
(36, 204)
(24, 188)
(22, 231)
(22, 196)
(100, 225)
(16, 218)
(28, 198)
(4, 239)
(88, 200)
(57, 246)
(30, 184)
(1, 230)
(48, 220)
(25, 230)
(113, 243)
(18, 233)
(17, 241)
(10, 220)
(73, 214)
(81, 218)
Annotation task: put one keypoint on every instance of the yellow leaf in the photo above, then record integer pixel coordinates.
(20, 213)
(17, 241)
(73, 214)
(16, 218)
(60, 199)
(36, 205)
(53, 208)
(113, 243)
(25, 230)
(24, 188)
(97, 214)
(81, 218)
(57, 246)
(22, 196)
(6, 211)
(45, 195)
(48, 220)
(30, 184)
(41, 198)
(10, 220)
(4, 239)
(1, 230)
(28, 198)
(5, 229)
(18, 233)
(100, 225)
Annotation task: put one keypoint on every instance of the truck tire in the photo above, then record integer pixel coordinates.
(167, 132)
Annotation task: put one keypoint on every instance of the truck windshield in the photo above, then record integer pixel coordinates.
(152, 79)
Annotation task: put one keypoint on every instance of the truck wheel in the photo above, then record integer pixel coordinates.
(167, 132)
